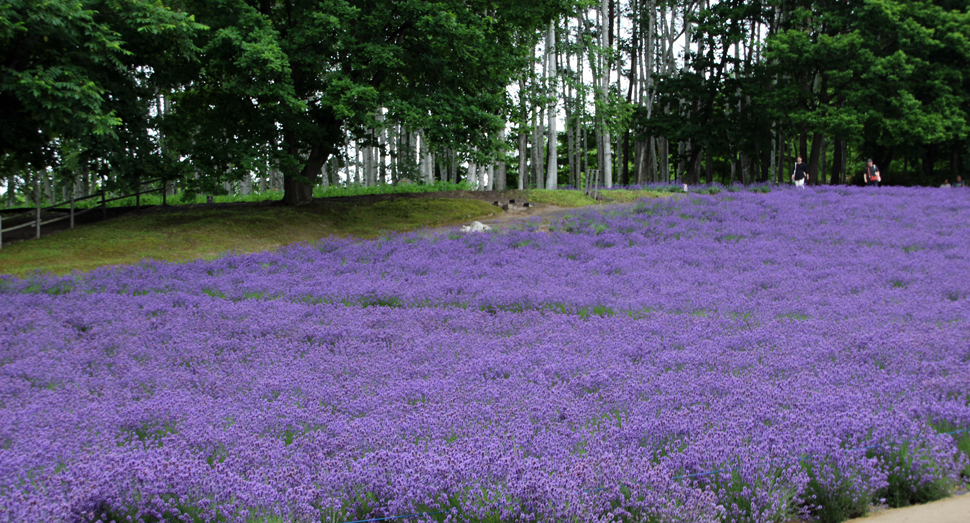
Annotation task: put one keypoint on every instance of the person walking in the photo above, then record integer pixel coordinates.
(800, 173)
(871, 174)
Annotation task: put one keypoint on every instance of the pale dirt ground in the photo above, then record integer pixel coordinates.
(543, 212)
(955, 509)
(949, 510)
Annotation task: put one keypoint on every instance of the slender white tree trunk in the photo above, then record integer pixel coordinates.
(537, 149)
(473, 175)
(422, 157)
(551, 73)
(606, 160)
(382, 145)
(500, 177)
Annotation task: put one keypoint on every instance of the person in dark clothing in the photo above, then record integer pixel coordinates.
(871, 174)
(800, 174)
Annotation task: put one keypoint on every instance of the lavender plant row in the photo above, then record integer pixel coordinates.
(827, 255)
(802, 345)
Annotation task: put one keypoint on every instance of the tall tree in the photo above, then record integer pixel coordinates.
(309, 71)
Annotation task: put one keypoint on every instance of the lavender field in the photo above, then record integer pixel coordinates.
(736, 357)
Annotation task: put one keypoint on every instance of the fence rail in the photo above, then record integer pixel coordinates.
(37, 222)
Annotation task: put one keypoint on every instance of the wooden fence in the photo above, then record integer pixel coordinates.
(36, 222)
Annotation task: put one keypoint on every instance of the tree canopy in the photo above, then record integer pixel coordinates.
(290, 78)
(208, 93)
(72, 70)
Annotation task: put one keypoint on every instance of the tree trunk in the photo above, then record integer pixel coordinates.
(552, 169)
(813, 157)
(821, 162)
(624, 158)
(954, 162)
(640, 161)
(884, 159)
(571, 152)
(579, 149)
(454, 167)
(537, 149)
(929, 163)
(708, 166)
(664, 160)
(803, 144)
(367, 154)
(766, 160)
(837, 174)
(500, 178)
(298, 187)
(523, 155)
(48, 188)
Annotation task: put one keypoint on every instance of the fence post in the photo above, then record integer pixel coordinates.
(164, 192)
(1, 230)
(138, 196)
(38, 218)
(104, 207)
(72, 207)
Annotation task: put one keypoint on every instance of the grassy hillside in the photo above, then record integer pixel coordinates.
(180, 235)
(185, 233)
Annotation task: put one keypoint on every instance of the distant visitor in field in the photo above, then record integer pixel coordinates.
(959, 182)
(800, 174)
(946, 184)
(871, 174)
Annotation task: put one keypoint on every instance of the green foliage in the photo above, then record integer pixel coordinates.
(710, 102)
(738, 489)
(597, 310)
(64, 66)
(334, 191)
(284, 84)
(905, 486)
(884, 73)
(833, 495)
(962, 437)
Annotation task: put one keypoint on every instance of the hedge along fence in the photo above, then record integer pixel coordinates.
(37, 222)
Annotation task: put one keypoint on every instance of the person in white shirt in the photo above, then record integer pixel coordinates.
(800, 173)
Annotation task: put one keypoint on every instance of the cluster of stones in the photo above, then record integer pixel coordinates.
(513, 207)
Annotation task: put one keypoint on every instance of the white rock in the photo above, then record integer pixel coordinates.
(475, 227)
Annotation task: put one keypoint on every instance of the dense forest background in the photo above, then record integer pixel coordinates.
(245, 96)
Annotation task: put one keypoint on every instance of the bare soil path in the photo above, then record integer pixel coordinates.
(950, 510)
(544, 214)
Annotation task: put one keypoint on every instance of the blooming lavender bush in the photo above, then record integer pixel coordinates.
(724, 357)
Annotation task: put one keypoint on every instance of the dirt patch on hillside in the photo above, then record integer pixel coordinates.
(542, 215)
